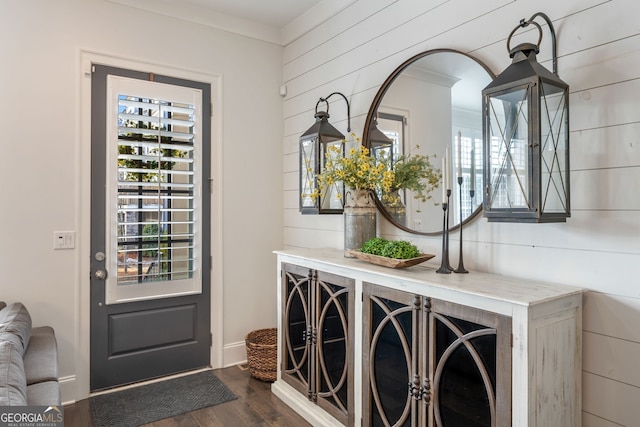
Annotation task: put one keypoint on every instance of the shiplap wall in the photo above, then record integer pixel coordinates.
(598, 248)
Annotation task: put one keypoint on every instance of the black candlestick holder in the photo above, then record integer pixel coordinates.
(460, 268)
(472, 193)
(447, 242)
(444, 268)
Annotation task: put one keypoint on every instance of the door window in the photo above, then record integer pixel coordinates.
(154, 153)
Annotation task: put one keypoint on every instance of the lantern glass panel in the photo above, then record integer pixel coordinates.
(332, 198)
(308, 161)
(508, 179)
(554, 149)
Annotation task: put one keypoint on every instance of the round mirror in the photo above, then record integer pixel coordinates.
(431, 107)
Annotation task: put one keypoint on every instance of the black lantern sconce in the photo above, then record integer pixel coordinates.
(526, 138)
(313, 150)
(379, 142)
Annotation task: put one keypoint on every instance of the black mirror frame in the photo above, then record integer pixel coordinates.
(371, 116)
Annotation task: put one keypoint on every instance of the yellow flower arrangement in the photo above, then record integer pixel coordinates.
(357, 170)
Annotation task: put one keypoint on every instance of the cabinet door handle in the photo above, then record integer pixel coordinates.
(426, 391)
(418, 392)
(415, 391)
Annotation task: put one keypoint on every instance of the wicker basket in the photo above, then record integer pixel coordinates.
(262, 353)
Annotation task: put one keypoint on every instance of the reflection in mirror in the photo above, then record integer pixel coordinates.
(432, 106)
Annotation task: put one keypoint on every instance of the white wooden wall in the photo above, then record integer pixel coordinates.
(599, 246)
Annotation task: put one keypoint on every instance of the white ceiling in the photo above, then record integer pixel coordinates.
(275, 13)
(275, 21)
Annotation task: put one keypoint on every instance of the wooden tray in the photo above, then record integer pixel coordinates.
(390, 262)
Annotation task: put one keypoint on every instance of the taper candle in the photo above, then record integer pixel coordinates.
(472, 182)
(459, 154)
(444, 179)
(445, 170)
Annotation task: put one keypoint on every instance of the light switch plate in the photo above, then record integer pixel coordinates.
(64, 240)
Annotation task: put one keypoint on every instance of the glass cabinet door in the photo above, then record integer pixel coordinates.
(334, 353)
(392, 388)
(433, 363)
(471, 366)
(296, 327)
(317, 353)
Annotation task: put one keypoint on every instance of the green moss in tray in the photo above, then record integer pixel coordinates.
(397, 249)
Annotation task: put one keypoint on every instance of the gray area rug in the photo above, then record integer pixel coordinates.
(164, 399)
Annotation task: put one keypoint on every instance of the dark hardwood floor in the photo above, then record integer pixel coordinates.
(255, 406)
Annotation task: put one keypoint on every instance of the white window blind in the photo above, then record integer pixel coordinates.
(155, 190)
(154, 231)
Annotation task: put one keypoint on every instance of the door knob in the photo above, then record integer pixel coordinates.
(100, 274)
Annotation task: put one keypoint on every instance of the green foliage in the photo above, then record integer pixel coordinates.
(374, 246)
(416, 173)
(397, 249)
(151, 165)
(400, 249)
(150, 230)
(150, 250)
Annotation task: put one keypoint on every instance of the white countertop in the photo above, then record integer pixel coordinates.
(421, 278)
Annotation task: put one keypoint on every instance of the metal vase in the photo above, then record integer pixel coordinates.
(359, 219)
(395, 207)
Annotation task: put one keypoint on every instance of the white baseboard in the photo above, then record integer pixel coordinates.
(68, 390)
(234, 354)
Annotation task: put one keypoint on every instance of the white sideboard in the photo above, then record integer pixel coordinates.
(546, 330)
